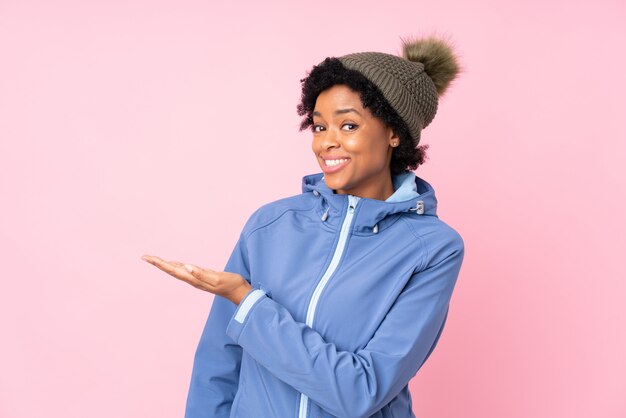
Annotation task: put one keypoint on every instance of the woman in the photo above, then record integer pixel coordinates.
(333, 299)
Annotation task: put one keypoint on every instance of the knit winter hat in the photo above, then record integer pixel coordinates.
(412, 83)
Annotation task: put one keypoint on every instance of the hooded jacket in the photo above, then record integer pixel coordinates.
(350, 296)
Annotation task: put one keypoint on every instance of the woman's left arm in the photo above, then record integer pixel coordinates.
(344, 383)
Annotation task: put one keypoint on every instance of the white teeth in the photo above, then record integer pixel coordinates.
(335, 162)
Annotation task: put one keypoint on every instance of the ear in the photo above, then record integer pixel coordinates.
(394, 140)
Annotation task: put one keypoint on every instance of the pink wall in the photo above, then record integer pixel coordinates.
(158, 127)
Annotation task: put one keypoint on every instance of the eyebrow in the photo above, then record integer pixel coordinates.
(338, 111)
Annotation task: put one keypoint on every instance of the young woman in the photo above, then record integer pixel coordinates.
(333, 299)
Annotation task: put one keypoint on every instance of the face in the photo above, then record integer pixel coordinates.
(352, 147)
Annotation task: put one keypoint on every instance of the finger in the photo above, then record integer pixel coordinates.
(162, 264)
(200, 278)
(204, 275)
(147, 258)
(152, 259)
(174, 270)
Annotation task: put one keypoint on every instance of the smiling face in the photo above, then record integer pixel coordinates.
(352, 147)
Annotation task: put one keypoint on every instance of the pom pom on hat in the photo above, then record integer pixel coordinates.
(413, 82)
(438, 58)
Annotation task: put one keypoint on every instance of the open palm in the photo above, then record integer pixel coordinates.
(232, 286)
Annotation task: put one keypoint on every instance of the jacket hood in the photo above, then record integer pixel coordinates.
(412, 195)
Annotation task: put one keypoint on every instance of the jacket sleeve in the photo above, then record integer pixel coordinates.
(217, 361)
(344, 383)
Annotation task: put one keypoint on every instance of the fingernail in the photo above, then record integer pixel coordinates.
(189, 268)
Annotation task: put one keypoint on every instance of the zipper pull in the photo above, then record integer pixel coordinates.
(352, 201)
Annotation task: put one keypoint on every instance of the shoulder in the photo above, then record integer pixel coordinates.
(438, 239)
(271, 211)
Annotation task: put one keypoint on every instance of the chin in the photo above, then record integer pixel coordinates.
(334, 183)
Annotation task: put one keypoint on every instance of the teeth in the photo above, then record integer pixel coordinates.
(335, 162)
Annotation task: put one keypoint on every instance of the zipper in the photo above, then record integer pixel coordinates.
(343, 236)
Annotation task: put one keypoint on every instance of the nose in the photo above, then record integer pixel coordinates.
(328, 139)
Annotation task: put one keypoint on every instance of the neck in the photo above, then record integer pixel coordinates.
(377, 188)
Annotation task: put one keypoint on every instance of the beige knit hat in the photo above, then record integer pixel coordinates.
(413, 83)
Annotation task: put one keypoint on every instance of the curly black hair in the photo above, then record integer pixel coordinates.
(331, 71)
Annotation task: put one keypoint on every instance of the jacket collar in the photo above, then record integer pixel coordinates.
(412, 195)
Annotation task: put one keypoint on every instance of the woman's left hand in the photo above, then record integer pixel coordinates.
(232, 286)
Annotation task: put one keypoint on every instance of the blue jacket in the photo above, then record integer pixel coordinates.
(350, 296)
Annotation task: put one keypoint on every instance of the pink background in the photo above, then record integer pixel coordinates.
(133, 127)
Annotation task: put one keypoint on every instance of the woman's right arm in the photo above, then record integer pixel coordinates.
(217, 361)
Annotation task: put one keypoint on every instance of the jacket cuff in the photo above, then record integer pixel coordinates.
(245, 307)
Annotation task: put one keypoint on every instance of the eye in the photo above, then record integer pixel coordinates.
(313, 127)
(350, 124)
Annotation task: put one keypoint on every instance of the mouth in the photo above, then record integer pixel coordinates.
(334, 165)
